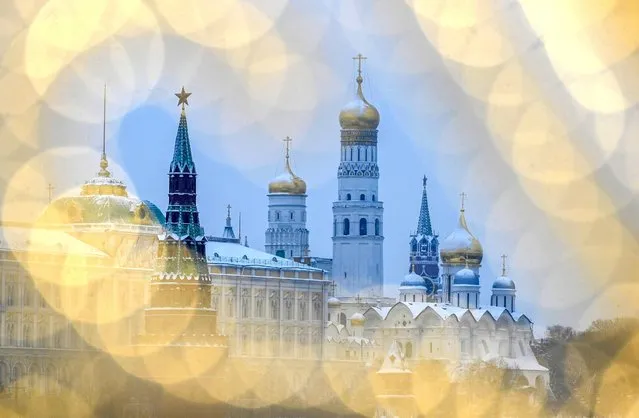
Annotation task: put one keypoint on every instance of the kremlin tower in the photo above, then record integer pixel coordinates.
(424, 248)
(358, 214)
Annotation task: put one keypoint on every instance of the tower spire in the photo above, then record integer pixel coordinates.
(423, 225)
(103, 160)
(182, 214)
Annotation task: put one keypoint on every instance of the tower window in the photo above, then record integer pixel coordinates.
(362, 197)
(362, 226)
(377, 227)
(175, 217)
(292, 216)
(348, 196)
(277, 216)
(373, 198)
(185, 217)
(347, 227)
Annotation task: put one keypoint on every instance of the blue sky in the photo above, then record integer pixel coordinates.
(475, 103)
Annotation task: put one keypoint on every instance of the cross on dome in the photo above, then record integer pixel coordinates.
(359, 59)
(287, 141)
(503, 264)
(463, 200)
(50, 190)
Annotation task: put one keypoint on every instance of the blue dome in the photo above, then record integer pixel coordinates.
(413, 279)
(504, 282)
(466, 277)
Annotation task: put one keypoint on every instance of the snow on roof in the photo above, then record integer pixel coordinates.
(446, 310)
(233, 253)
(529, 363)
(52, 241)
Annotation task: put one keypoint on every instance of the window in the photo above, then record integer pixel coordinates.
(348, 196)
(467, 300)
(358, 149)
(362, 226)
(347, 227)
(334, 228)
(342, 318)
(376, 227)
(274, 309)
(430, 347)
(373, 198)
(362, 197)
(413, 298)
(11, 295)
(292, 215)
(277, 216)
(185, 217)
(409, 349)
(280, 253)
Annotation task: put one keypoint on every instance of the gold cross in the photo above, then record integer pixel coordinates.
(503, 264)
(463, 199)
(359, 59)
(50, 190)
(183, 97)
(287, 141)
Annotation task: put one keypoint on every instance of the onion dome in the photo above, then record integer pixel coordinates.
(461, 245)
(413, 279)
(287, 182)
(358, 319)
(333, 302)
(504, 283)
(466, 277)
(359, 113)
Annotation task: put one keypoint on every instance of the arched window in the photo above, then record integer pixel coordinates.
(373, 198)
(348, 196)
(358, 157)
(362, 197)
(342, 318)
(377, 227)
(409, 350)
(292, 216)
(366, 154)
(351, 154)
(347, 227)
(468, 300)
(362, 226)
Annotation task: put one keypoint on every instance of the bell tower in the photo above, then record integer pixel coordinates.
(358, 213)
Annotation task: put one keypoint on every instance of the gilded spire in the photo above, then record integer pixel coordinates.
(423, 225)
(103, 160)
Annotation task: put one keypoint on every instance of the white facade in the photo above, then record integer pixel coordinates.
(267, 306)
(287, 235)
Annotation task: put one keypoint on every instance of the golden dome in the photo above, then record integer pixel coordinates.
(358, 320)
(461, 246)
(287, 182)
(359, 114)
